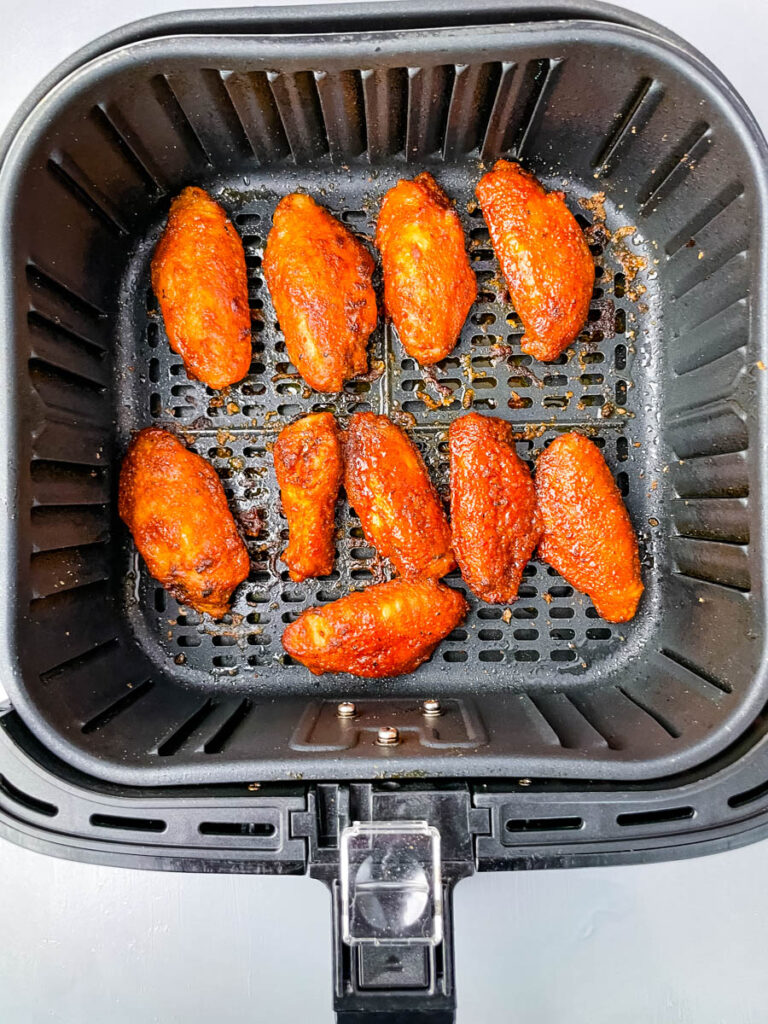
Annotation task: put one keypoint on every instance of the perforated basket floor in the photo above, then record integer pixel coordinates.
(666, 379)
(591, 387)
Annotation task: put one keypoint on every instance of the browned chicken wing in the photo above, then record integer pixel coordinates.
(385, 630)
(319, 277)
(588, 535)
(388, 486)
(429, 286)
(309, 468)
(543, 255)
(199, 278)
(173, 503)
(496, 525)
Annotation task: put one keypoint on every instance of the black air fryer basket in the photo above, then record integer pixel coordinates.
(142, 733)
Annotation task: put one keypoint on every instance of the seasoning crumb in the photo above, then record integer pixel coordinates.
(506, 615)
(760, 364)
(701, 254)
(547, 598)
(654, 484)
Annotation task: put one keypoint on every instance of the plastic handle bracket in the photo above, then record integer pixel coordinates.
(390, 857)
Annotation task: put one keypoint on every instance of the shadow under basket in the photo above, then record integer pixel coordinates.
(666, 172)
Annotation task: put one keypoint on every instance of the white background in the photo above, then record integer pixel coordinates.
(681, 943)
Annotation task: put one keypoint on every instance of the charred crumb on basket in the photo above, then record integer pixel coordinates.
(604, 327)
(532, 431)
(401, 418)
(595, 204)
(466, 362)
(252, 521)
(374, 373)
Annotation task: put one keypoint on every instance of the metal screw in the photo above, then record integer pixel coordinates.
(388, 736)
(431, 707)
(346, 709)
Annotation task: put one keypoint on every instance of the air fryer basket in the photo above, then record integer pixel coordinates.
(123, 683)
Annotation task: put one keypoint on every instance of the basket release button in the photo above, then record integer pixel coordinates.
(391, 889)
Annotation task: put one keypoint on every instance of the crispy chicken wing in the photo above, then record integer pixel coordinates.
(319, 277)
(429, 286)
(309, 468)
(173, 503)
(543, 256)
(388, 486)
(496, 525)
(588, 536)
(199, 278)
(385, 630)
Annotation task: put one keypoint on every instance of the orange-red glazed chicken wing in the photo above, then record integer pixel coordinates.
(388, 486)
(496, 525)
(309, 468)
(384, 630)
(588, 536)
(199, 278)
(429, 286)
(543, 255)
(319, 277)
(173, 503)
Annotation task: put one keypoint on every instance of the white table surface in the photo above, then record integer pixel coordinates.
(679, 943)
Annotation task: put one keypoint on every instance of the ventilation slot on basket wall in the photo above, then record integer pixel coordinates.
(237, 828)
(630, 123)
(543, 824)
(128, 824)
(103, 718)
(749, 796)
(655, 817)
(29, 803)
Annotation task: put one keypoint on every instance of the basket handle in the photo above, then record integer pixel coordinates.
(391, 859)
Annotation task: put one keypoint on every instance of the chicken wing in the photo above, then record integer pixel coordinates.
(588, 536)
(496, 525)
(543, 255)
(429, 286)
(319, 277)
(388, 486)
(385, 630)
(309, 467)
(173, 503)
(199, 278)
